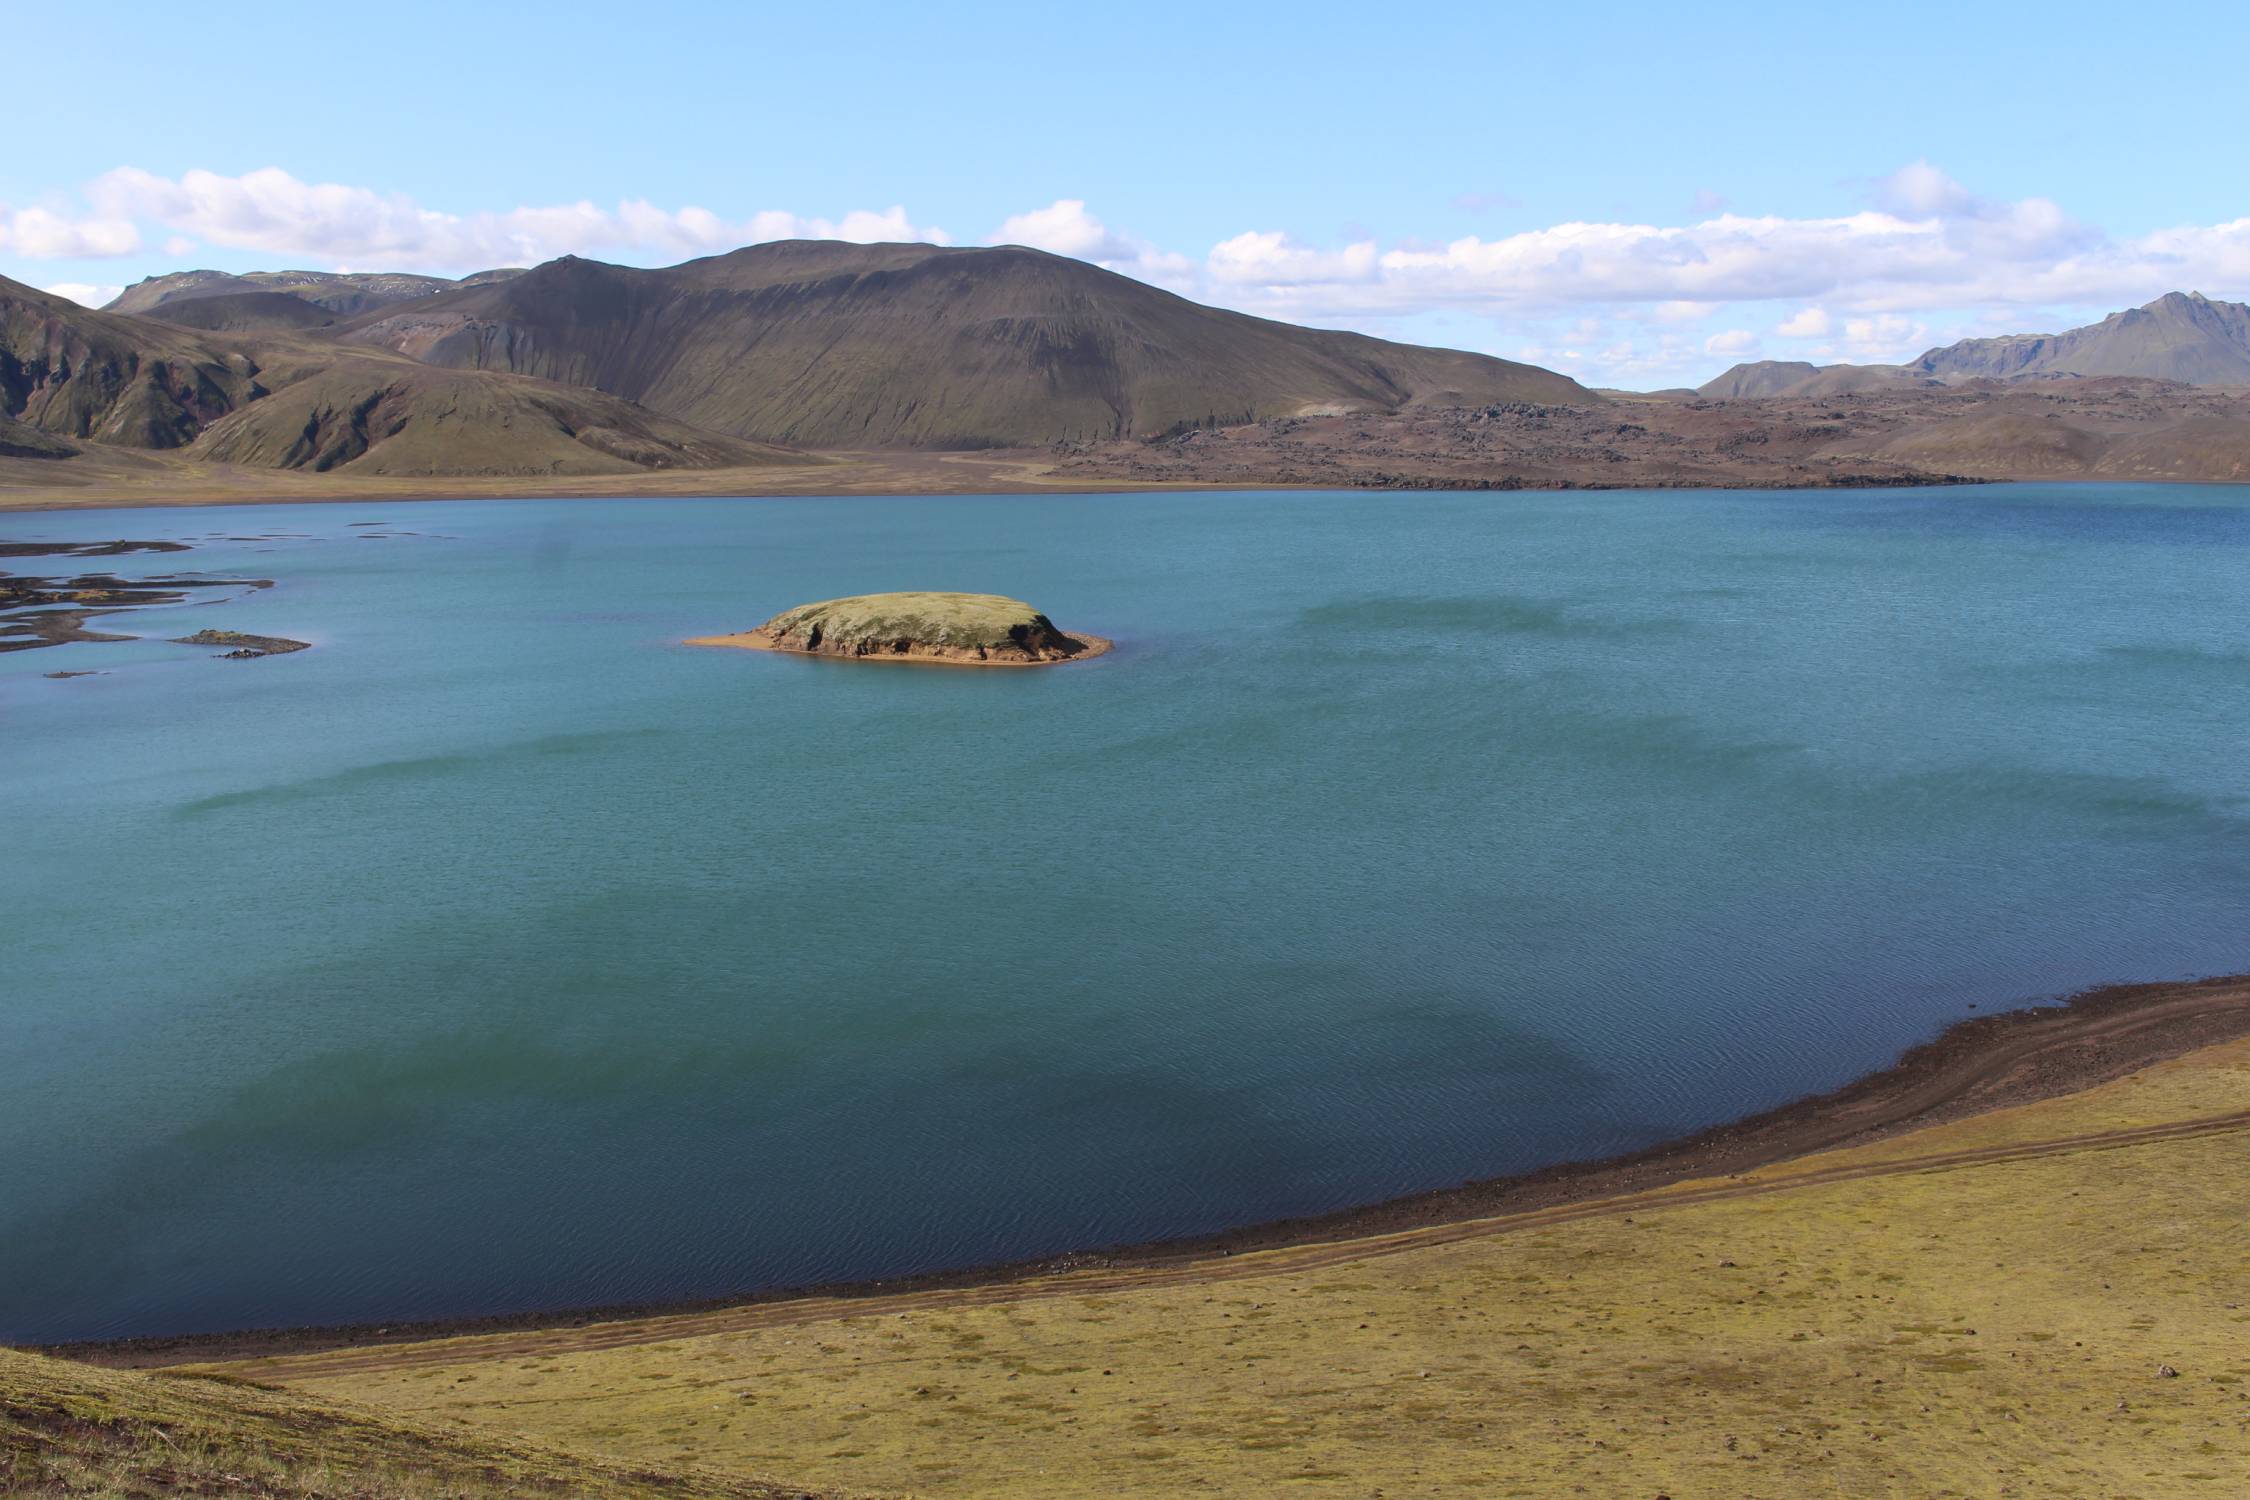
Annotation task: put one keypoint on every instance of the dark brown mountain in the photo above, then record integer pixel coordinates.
(75, 373)
(827, 345)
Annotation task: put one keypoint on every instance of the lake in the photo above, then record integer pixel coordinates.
(502, 953)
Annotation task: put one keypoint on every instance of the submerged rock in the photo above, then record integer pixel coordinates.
(970, 629)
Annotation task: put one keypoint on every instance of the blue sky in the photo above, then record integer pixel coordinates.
(1639, 194)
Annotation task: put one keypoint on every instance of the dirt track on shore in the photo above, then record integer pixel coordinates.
(1981, 1064)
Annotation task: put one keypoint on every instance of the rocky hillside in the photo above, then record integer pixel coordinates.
(827, 345)
(1912, 434)
(75, 373)
(70, 376)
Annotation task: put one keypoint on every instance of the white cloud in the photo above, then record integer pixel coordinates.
(1925, 244)
(1612, 300)
(1885, 338)
(1922, 189)
(273, 213)
(1065, 228)
(41, 234)
(861, 226)
(85, 295)
(1272, 260)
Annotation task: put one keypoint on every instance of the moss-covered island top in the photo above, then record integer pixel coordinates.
(988, 630)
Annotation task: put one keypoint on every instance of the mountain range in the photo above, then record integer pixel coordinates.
(825, 345)
(576, 367)
(2181, 336)
(804, 355)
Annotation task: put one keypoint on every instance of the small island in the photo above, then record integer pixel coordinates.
(976, 630)
(246, 647)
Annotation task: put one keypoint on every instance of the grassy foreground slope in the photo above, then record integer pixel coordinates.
(69, 1429)
(2045, 1300)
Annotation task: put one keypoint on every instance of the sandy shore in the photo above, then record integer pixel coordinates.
(1979, 1064)
(1091, 646)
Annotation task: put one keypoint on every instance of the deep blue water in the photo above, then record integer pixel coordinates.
(501, 953)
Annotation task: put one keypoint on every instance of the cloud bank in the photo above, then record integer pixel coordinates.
(334, 225)
(1921, 251)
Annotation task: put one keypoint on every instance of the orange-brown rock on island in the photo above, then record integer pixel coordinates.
(977, 630)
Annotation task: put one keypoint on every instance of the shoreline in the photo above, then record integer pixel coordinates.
(1091, 646)
(62, 503)
(847, 476)
(1975, 1065)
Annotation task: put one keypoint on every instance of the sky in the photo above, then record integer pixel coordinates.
(1639, 195)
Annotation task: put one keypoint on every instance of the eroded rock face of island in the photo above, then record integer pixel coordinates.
(979, 630)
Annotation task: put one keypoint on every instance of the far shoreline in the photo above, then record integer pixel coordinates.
(1974, 1065)
(838, 476)
(54, 503)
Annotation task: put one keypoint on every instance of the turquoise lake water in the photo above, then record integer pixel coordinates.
(502, 953)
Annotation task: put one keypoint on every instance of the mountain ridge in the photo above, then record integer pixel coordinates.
(2181, 336)
(345, 293)
(822, 344)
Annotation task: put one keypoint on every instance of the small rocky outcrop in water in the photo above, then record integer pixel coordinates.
(246, 647)
(971, 629)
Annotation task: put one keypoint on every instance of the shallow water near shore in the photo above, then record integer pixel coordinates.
(502, 953)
